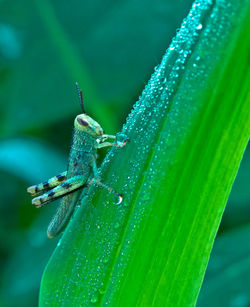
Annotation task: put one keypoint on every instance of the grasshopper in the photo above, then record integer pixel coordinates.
(82, 171)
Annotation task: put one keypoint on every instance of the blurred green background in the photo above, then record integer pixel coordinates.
(110, 47)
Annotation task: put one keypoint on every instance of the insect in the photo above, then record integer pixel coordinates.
(82, 170)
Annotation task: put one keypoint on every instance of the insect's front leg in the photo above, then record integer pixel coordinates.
(68, 186)
(120, 140)
(107, 136)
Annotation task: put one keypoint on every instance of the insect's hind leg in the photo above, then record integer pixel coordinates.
(47, 185)
(68, 186)
(97, 182)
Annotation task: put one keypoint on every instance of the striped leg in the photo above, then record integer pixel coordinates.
(68, 186)
(47, 185)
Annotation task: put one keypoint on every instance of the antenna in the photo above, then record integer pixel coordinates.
(79, 92)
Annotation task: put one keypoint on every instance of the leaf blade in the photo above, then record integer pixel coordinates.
(164, 238)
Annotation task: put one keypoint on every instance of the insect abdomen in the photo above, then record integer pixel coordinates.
(63, 214)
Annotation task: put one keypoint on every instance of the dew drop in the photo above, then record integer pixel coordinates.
(119, 200)
(199, 27)
(94, 299)
(117, 225)
(101, 291)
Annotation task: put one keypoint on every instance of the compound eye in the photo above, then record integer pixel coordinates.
(82, 122)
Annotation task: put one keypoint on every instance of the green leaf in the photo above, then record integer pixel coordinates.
(188, 132)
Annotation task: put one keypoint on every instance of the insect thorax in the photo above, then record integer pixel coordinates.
(82, 141)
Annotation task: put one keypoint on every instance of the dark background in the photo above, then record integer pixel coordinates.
(110, 47)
